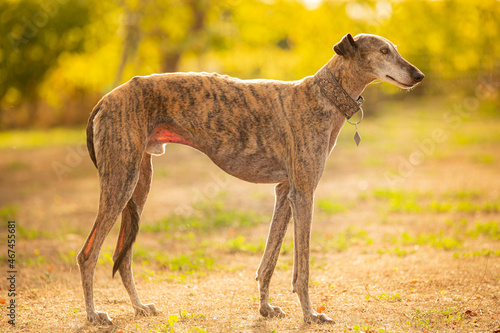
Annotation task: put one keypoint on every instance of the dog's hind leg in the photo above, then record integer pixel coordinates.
(281, 218)
(117, 186)
(127, 227)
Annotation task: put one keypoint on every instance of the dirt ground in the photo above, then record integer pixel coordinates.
(405, 237)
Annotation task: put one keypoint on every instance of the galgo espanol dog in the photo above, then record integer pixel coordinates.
(261, 131)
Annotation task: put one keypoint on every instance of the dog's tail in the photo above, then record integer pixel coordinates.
(90, 132)
(128, 234)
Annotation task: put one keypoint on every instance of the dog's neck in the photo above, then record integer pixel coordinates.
(338, 89)
(348, 76)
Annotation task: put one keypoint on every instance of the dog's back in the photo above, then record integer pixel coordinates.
(240, 121)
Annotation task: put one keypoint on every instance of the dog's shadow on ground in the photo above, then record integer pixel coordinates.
(267, 325)
(261, 324)
(119, 324)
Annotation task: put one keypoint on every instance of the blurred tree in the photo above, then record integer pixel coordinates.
(170, 56)
(67, 53)
(131, 37)
(33, 35)
(177, 27)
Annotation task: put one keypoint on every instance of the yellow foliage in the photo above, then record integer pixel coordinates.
(281, 39)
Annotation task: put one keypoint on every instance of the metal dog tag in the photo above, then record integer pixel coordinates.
(357, 137)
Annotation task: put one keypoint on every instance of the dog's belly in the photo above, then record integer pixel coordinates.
(254, 166)
(251, 168)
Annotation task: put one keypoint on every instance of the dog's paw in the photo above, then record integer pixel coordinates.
(271, 311)
(99, 318)
(318, 318)
(146, 310)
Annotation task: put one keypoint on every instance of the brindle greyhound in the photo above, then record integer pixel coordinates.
(261, 131)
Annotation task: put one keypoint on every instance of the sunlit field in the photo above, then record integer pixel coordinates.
(405, 237)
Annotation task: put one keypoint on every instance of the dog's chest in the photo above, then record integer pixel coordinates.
(337, 125)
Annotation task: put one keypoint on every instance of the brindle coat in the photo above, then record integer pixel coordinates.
(261, 131)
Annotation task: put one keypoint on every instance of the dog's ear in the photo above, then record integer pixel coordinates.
(347, 47)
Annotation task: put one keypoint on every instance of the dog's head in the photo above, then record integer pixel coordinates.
(378, 59)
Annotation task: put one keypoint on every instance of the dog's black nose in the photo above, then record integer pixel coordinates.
(417, 76)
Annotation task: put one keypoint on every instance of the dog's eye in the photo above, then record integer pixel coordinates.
(384, 50)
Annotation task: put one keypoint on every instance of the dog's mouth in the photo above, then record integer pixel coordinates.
(399, 83)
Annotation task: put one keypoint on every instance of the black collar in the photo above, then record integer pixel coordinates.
(333, 91)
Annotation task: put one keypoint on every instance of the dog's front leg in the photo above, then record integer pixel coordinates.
(302, 208)
(281, 217)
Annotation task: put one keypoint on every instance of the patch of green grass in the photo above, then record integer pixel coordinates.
(207, 217)
(330, 207)
(173, 269)
(284, 264)
(469, 207)
(388, 298)
(488, 229)
(397, 251)
(463, 201)
(185, 263)
(399, 201)
(480, 253)
(404, 206)
(440, 207)
(434, 320)
(286, 247)
(25, 139)
(145, 255)
(36, 260)
(187, 315)
(463, 207)
(390, 194)
(167, 327)
(463, 194)
(189, 263)
(490, 207)
(33, 233)
(8, 212)
(183, 236)
(68, 257)
(105, 257)
(386, 194)
(434, 240)
(239, 244)
(344, 240)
